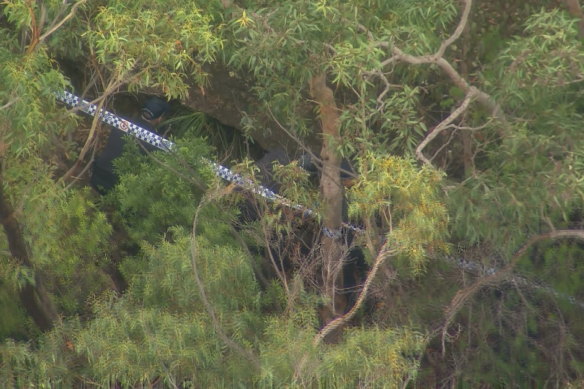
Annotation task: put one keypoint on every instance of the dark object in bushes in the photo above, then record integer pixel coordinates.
(104, 177)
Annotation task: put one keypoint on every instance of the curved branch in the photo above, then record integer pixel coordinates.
(341, 320)
(458, 31)
(464, 295)
(483, 98)
(62, 21)
(438, 59)
(444, 124)
(8, 104)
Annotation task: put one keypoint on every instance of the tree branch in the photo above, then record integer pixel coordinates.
(464, 295)
(444, 124)
(458, 31)
(341, 320)
(58, 25)
(8, 104)
(438, 59)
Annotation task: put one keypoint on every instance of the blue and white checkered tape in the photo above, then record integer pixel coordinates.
(237, 179)
(166, 145)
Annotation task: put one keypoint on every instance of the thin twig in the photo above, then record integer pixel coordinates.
(442, 147)
(318, 161)
(63, 21)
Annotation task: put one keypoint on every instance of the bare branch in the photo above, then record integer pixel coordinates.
(90, 141)
(383, 253)
(445, 144)
(471, 129)
(438, 59)
(459, 29)
(341, 320)
(483, 98)
(444, 124)
(464, 295)
(279, 271)
(55, 27)
(8, 104)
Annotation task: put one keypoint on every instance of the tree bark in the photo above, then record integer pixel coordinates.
(331, 194)
(576, 11)
(34, 296)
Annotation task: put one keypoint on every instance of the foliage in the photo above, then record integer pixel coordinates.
(148, 199)
(507, 168)
(163, 44)
(407, 200)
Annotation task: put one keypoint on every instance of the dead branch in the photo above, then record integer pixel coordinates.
(464, 295)
(458, 31)
(444, 124)
(55, 26)
(438, 59)
(384, 253)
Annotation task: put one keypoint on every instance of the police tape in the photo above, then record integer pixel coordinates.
(228, 175)
(222, 172)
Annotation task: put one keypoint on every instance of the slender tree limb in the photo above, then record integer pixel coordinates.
(458, 31)
(444, 144)
(444, 124)
(114, 84)
(318, 161)
(464, 295)
(438, 59)
(257, 269)
(82, 172)
(58, 25)
(8, 104)
(384, 253)
(279, 272)
(483, 98)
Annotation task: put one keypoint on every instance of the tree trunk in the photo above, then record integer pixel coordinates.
(331, 194)
(576, 11)
(34, 296)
